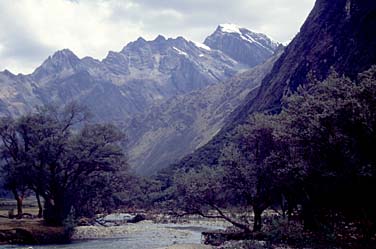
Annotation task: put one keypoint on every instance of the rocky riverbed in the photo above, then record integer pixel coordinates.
(142, 235)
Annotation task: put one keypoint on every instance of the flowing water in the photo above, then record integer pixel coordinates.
(151, 237)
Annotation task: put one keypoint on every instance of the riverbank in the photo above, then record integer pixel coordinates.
(188, 246)
(30, 231)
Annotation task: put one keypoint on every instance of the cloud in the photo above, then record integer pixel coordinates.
(34, 29)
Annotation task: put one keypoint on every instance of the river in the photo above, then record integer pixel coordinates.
(139, 236)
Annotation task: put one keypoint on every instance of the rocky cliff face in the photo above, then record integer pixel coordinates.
(16, 94)
(337, 35)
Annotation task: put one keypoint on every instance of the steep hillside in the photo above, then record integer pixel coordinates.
(169, 131)
(335, 36)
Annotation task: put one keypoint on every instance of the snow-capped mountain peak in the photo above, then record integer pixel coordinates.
(241, 44)
(248, 35)
(230, 28)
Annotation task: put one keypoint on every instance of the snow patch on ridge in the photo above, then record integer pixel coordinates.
(179, 51)
(200, 45)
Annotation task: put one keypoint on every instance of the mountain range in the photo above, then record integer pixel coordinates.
(161, 92)
(180, 101)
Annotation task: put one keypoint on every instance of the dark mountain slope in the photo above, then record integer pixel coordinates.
(337, 34)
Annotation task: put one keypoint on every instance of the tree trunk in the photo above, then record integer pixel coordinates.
(19, 200)
(257, 224)
(284, 205)
(309, 218)
(222, 215)
(19, 207)
(40, 208)
(54, 210)
(289, 212)
(51, 214)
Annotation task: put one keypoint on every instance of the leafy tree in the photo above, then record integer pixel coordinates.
(69, 162)
(249, 176)
(201, 192)
(14, 171)
(329, 127)
(142, 193)
(244, 180)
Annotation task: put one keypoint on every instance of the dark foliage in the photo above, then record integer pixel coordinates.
(317, 154)
(73, 165)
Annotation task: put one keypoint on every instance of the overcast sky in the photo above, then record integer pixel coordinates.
(31, 30)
